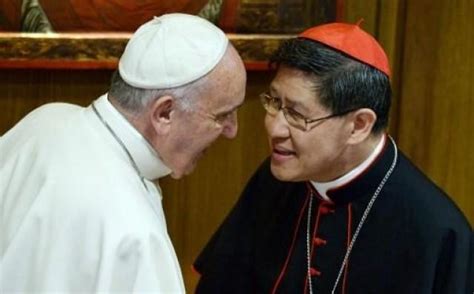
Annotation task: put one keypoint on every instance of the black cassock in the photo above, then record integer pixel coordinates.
(414, 240)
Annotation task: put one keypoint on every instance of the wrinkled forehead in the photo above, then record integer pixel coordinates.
(226, 93)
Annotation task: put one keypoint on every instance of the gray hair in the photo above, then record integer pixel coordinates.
(136, 99)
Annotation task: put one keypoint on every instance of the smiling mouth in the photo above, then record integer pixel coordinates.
(283, 152)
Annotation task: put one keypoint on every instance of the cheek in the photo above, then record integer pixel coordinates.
(311, 148)
(267, 122)
(323, 147)
(202, 140)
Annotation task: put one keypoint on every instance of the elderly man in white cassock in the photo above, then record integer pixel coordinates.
(79, 210)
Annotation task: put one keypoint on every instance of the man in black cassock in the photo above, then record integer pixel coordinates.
(337, 208)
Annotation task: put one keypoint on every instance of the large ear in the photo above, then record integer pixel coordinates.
(363, 121)
(160, 112)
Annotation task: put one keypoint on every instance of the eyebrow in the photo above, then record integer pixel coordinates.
(293, 103)
(231, 110)
(290, 102)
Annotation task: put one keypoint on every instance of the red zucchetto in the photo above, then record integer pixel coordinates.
(351, 40)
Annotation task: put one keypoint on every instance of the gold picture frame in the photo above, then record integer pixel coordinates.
(255, 27)
(102, 50)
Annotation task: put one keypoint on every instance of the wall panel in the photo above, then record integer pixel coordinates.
(437, 95)
(431, 51)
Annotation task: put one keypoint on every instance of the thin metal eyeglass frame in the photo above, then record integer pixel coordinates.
(265, 98)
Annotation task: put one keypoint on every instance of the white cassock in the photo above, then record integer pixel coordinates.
(76, 216)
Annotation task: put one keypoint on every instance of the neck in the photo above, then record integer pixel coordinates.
(363, 151)
(132, 118)
(135, 119)
(354, 156)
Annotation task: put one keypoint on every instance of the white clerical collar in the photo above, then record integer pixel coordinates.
(322, 188)
(147, 160)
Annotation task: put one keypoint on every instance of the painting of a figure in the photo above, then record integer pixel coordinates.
(239, 16)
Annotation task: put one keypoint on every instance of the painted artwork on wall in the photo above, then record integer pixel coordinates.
(238, 16)
(79, 34)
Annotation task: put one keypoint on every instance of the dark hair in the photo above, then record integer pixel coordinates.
(341, 82)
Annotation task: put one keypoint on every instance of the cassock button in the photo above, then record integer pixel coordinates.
(319, 242)
(323, 209)
(314, 272)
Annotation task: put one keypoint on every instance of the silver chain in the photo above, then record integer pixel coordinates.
(134, 164)
(359, 226)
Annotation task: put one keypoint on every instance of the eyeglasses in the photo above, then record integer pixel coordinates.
(273, 105)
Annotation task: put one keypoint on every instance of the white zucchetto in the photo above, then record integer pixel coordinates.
(171, 50)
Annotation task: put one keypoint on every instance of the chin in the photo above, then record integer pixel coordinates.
(285, 175)
(176, 175)
(179, 173)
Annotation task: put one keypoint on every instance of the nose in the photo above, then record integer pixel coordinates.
(231, 127)
(276, 125)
